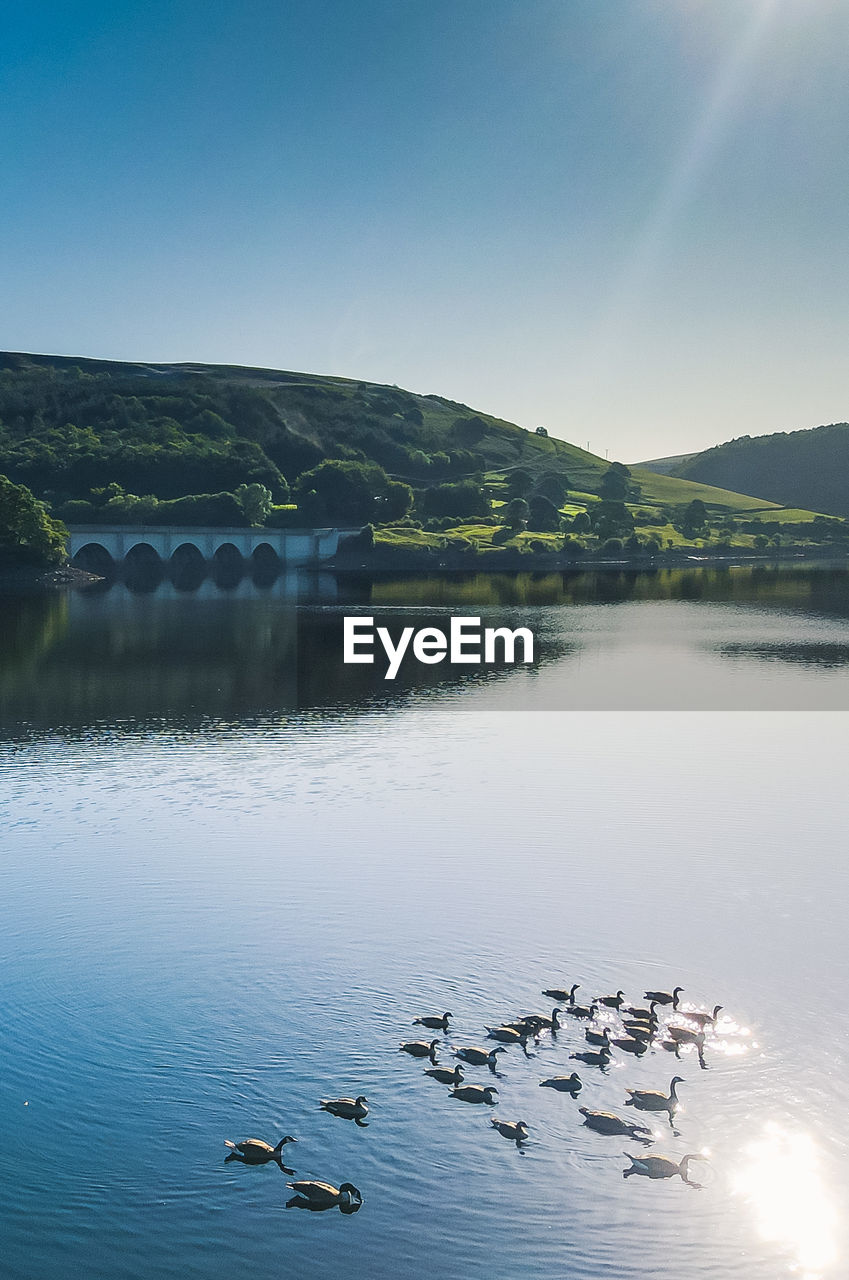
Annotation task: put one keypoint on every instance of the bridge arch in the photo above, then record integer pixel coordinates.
(142, 553)
(93, 556)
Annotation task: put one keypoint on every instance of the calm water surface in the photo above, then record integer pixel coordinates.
(233, 873)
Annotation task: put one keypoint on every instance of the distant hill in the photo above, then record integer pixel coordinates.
(69, 425)
(797, 469)
(665, 466)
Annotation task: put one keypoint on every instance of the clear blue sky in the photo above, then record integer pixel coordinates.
(625, 219)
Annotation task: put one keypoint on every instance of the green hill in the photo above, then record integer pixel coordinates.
(797, 469)
(70, 424)
(115, 442)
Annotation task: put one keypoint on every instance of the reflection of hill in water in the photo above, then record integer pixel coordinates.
(802, 587)
(76, 661)
(73, 661)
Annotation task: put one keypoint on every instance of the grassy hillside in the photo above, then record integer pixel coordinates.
(174, 429)
(189, 443)
(808, 469)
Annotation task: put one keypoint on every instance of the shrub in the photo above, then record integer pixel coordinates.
(464, 498)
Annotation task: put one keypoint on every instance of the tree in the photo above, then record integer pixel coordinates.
(468, 431)
(351, 493)
(611, 518)
(543, 515)
(255, 500)
(614, 483)
(516, 513)
(519, 483)
(695, 516)
(27, 533)
(464, 498)
(553, 487)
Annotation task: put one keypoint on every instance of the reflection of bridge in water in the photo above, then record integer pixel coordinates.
(290, 547)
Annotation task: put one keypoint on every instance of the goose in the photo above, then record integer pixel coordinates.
(663, 997)
(477, 1057)
(661, 1167)
(607, 1122)
(564, 1084)
(420, 1049)
(475, 1093)
(630, 1044)
(255, 1151)
(517, 1132)
(611, 1002)
(323, 1195)
(702, 1019)
(654, 1100)
(599, 1037)
(434, 1023)
(560, 995)
(640, 1031)
(444, 1076)
(643, 1015)
(349, 1108)
(551, 1024)
(510, 1034)
(600, 1059)
(582, 1010)
(685, 1035)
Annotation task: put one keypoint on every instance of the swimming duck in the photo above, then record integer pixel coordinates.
(475, 1093)
(444, 1076)
(517, 1132)
(600, 1059)
(323, 1195)
(420, 1049)
(599, 1037)
(663, 997)
(654, 1100)
(255, 1151)
(608, 1122)
(564, 1084)
(611, 1002)
(661, 1167)
(561, 996)
(582, 1010)
(349, 1108)
(702, 1019)
(435, 1024)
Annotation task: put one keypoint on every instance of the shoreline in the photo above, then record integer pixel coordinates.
(386, 562)
(28, 580)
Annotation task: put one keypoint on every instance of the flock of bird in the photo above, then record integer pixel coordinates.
(640, 1029)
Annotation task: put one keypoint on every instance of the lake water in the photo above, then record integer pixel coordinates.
(234, 871)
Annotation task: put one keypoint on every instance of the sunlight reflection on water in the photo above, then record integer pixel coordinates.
(780, 1178)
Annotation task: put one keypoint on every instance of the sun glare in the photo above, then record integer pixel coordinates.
(780, 1178)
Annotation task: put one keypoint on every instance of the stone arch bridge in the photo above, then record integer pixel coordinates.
(293, 547)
